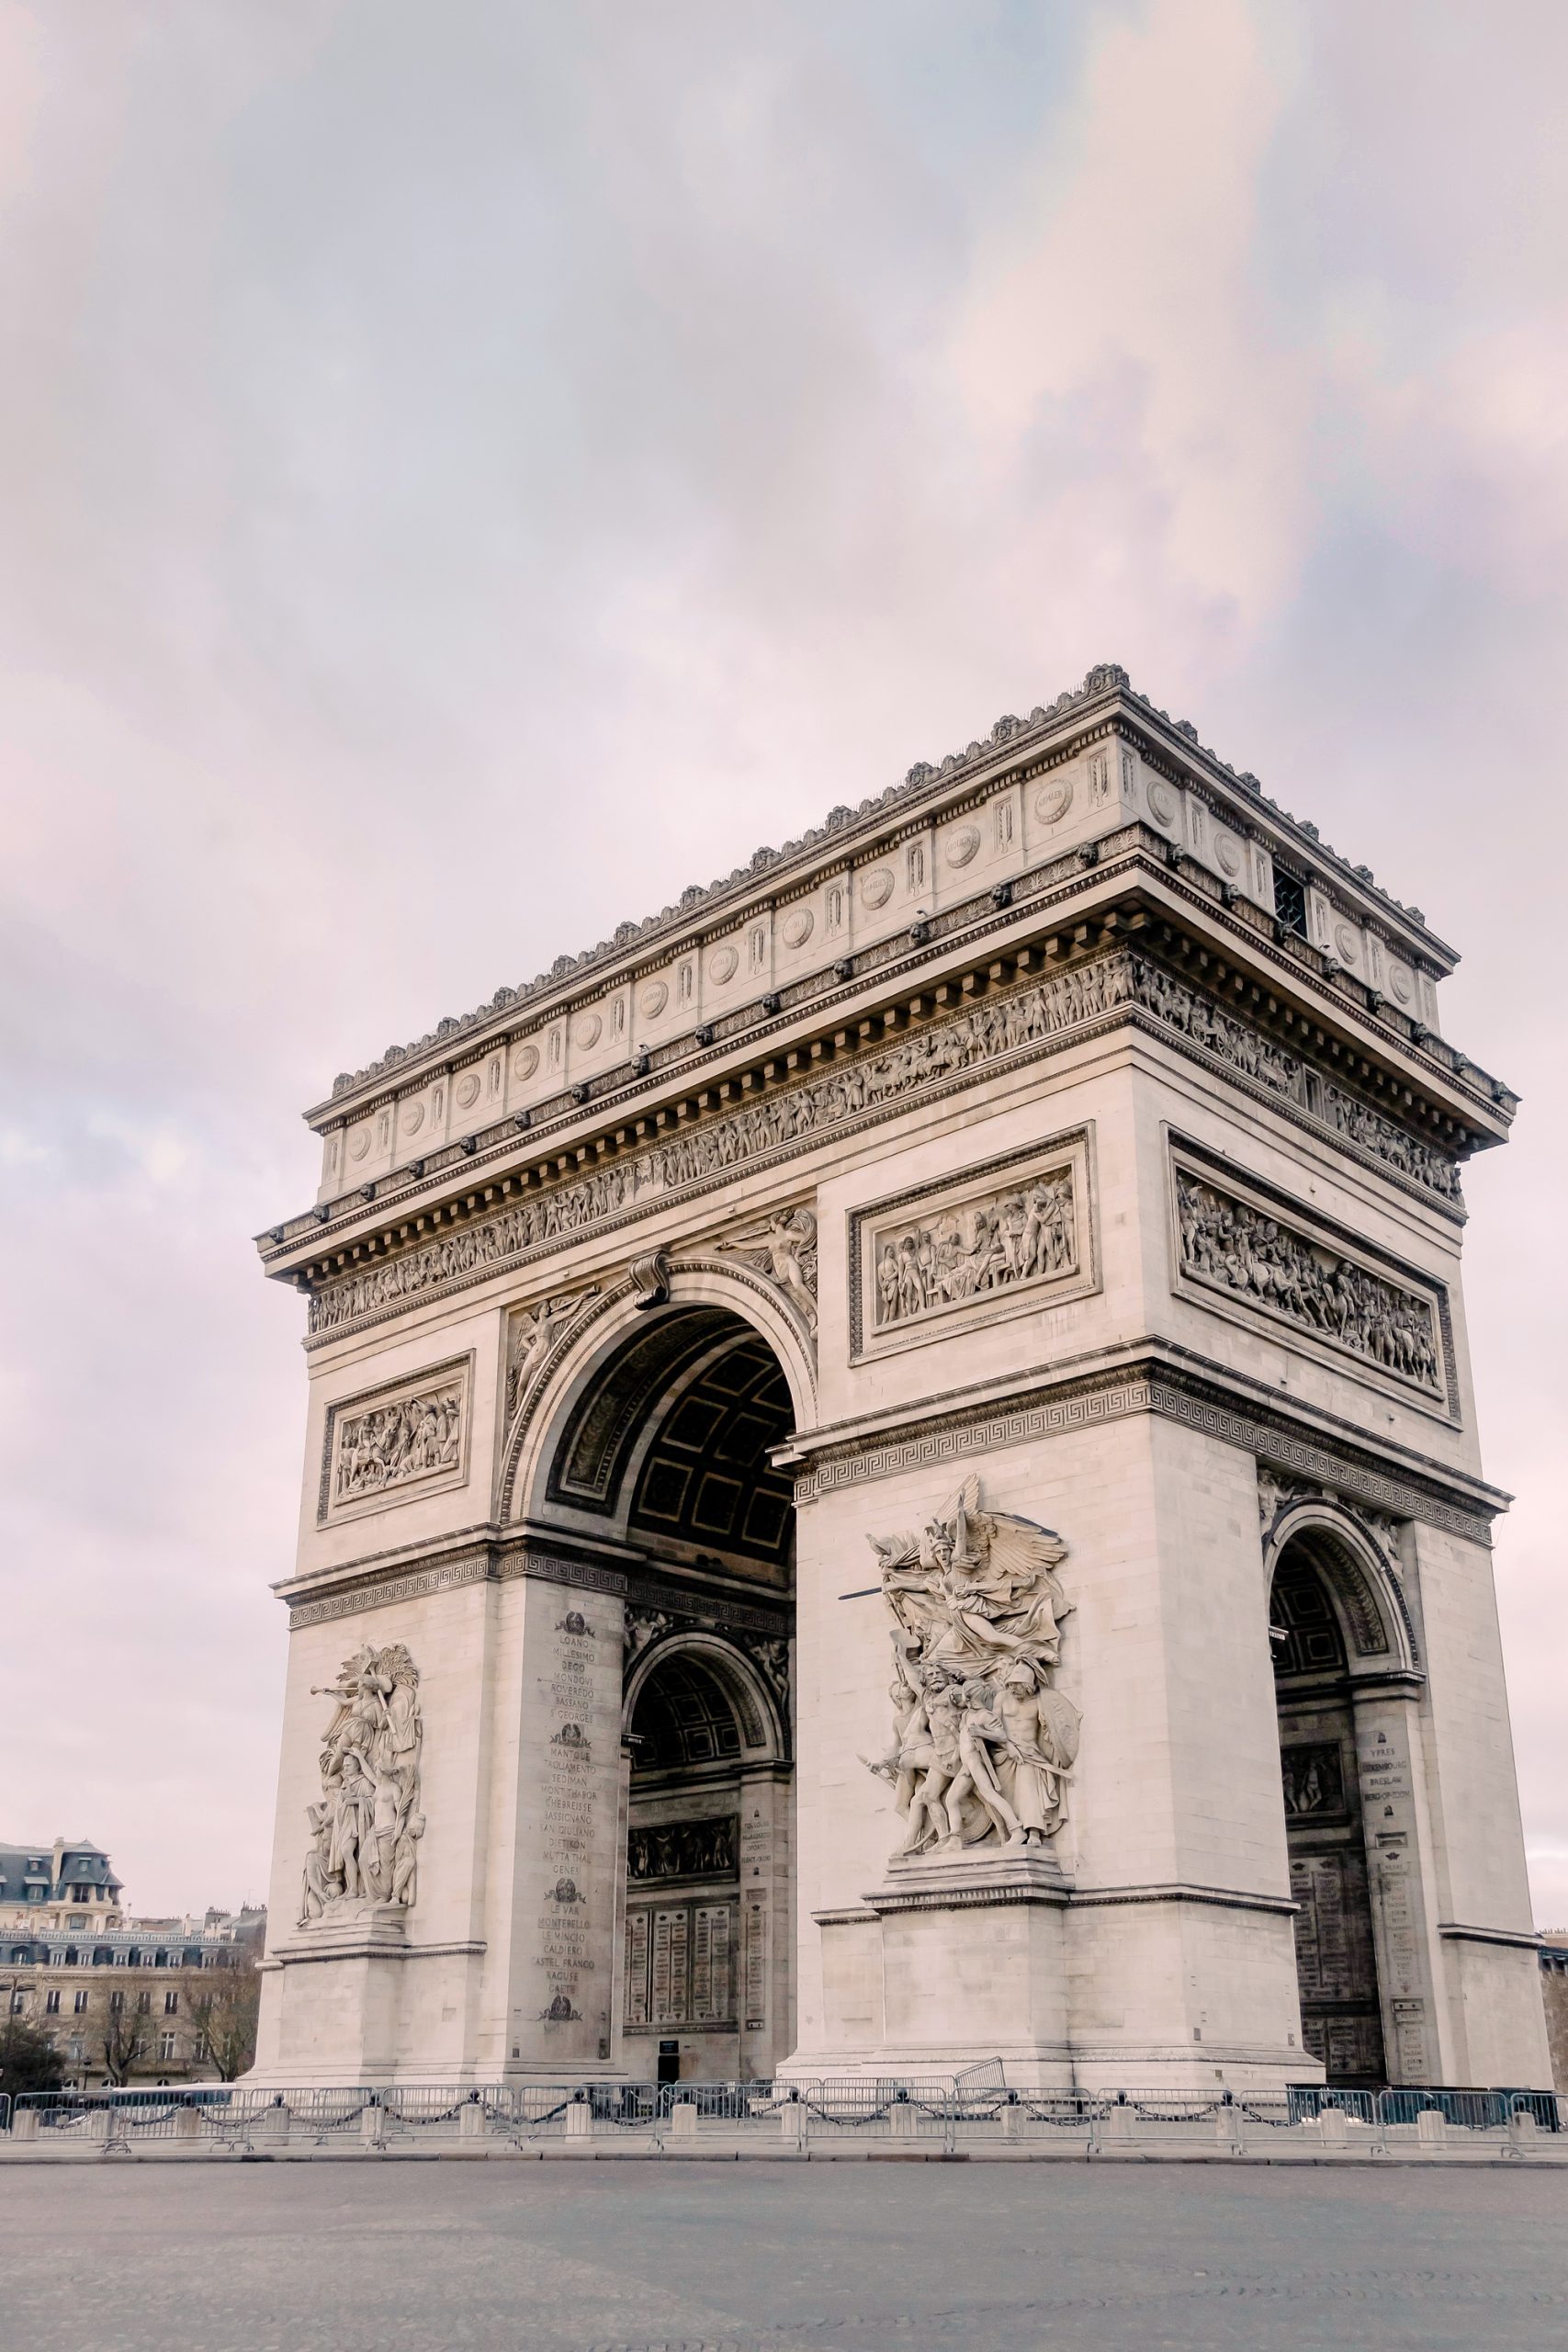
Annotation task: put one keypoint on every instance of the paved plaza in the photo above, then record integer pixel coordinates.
(881, 2257)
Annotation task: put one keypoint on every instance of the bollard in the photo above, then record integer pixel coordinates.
(792, 2122)
(471, 2117)
(1334, 2127)
(1522, 2127)
(1119, 2121)
(26, 2125)
(580, 2119)
(100, 2124)
(906, 2122)
(1012, 2118)
(1431, 2127)
(373, 2125)
(272, 2126)
(684, 2119)
(187, 2123)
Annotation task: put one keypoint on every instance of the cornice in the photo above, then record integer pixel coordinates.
(503, 1555)
(1149, 1376)
(930, 794)
(1124, 891)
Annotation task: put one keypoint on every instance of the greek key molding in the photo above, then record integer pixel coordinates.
(961, 1435)
(382, 1592)
(958, 1437)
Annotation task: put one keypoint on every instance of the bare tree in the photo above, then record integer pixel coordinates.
(221, 2004)
(125, 2041)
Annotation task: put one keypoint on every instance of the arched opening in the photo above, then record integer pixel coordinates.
(665, 1452)
(1336, 1967)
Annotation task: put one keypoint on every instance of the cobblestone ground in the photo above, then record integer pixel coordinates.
(364, 2257)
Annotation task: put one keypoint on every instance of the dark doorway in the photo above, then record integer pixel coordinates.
(1336, 1949)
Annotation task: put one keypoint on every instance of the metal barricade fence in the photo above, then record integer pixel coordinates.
(939, 2115)
(902, 2115)
(987, 2115)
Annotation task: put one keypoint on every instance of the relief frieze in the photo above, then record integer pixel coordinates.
(1014, 1023)
(1235, 1246)
(1014, 1232)
(395, 1444)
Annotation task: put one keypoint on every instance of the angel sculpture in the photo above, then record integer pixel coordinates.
(983, 1742)
(786, 1249)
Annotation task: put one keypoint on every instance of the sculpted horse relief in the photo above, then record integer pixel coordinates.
(983, 1743)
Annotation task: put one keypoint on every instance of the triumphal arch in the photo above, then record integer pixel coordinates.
(892, 1478)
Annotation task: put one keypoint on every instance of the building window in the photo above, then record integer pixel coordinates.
(117, 2002)
(78, 1895)
(171, 2004)
(198, 2050)
(1290, 902)
(165, 2047)
(36, 1894)
(79, 2004)
(122, 1959)
(52, 2003)
(144, 2005)
(75, 2049)
(18, 2005)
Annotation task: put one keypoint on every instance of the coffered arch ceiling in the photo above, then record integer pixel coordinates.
(675, 1434)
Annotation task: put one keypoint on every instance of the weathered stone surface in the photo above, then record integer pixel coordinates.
(1048, 1175)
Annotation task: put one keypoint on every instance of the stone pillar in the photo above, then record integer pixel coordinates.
(569, 1840)
(1398, 1877)
(763, 2008)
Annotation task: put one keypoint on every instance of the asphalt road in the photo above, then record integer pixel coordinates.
(369, 2257)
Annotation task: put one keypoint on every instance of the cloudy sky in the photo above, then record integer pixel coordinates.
(468, 471)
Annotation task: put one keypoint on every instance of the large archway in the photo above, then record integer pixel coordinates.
(662, 1449)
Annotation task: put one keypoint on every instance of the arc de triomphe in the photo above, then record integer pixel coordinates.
(892, 1478)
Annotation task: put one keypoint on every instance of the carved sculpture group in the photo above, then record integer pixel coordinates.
(983, 1743)
(390, 1444)
(683, 1849)
(1231, 1246)
(365, 1833)
(993, 1244)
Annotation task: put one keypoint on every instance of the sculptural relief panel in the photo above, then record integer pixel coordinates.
(983, 1743)
(365, 1831)
(1244, 1244)
(1017, 1022)
(1015, 1232)
(396, 1443)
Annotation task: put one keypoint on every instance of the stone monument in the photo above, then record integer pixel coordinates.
(892, 1480)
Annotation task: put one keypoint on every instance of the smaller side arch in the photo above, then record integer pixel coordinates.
(755, 1708)
(1363, 1586)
